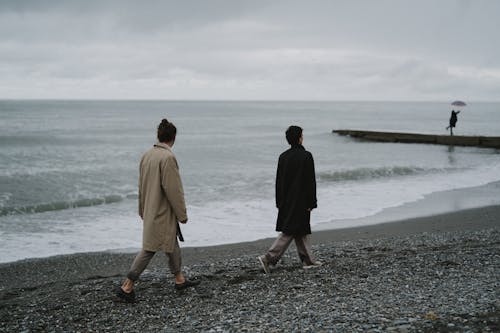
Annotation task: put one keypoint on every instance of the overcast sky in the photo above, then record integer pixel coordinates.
(423, 50)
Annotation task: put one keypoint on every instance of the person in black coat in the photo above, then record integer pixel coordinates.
(453, 120)
(295, 199)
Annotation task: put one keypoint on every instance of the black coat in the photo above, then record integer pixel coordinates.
(295, 191)
(453, 119)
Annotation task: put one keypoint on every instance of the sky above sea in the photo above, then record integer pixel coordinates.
(387, 50)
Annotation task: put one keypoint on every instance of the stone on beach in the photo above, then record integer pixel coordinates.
(422, 281)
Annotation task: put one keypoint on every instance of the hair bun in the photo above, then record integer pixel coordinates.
(166, 131)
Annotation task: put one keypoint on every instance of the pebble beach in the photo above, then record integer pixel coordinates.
(430, 274)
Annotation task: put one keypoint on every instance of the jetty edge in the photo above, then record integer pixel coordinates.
(401, 137)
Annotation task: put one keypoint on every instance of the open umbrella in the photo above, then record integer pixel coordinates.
(458, 103)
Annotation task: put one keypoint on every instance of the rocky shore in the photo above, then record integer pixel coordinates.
(435, 278)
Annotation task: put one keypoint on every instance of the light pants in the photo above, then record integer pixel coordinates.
(143, 258)
(281, 244)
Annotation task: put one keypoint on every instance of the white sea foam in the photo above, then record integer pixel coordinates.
(344, 201)
(90, 229)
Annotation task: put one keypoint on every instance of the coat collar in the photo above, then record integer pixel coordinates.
(163, 145)
(297, 146)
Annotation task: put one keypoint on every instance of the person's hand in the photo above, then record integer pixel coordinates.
(184, 222)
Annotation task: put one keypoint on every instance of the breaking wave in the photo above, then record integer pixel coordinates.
(375, 173)
(61, 205)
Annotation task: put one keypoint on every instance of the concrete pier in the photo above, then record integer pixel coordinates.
(456, 140)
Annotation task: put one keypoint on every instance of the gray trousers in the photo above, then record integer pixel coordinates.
(143, 258)
(281, 244)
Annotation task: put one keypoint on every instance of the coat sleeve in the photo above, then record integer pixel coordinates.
(310, 182)
(172, 185)
(140, 195)
(279, 185)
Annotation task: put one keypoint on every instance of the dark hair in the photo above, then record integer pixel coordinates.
(293, 134)
(166, 131)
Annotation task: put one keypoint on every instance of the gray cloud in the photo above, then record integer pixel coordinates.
(224, 49)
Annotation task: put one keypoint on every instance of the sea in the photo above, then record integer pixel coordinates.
(69, 169)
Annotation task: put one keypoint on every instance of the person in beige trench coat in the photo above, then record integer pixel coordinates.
(161, 207)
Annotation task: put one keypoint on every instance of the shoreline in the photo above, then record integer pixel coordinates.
(436, 273)
(437, 203)
(463, 220)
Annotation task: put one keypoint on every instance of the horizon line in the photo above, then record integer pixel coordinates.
(237, 100)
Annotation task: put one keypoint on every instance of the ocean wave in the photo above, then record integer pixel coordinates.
(61, 205)
(375, 173)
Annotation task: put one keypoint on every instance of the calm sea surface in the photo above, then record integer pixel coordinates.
(69, 169)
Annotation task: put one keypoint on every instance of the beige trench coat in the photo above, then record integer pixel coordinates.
(161, 199)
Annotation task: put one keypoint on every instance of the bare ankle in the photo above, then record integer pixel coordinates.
(128, 285)
(179, 278)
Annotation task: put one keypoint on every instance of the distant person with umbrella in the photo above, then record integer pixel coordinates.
(453, 117)
(453, 120)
